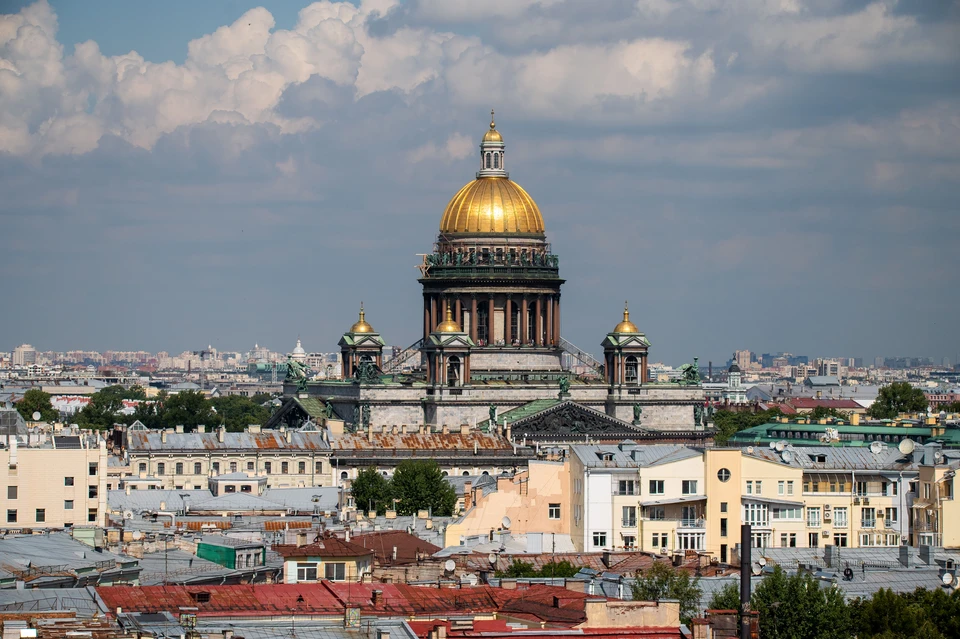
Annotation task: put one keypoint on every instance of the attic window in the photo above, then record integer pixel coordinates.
(605, 456)
(820, 459)
(201, 597)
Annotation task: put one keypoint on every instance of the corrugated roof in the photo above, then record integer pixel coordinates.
(138, 441)
(409, 547)
(454, 441)
(326, 547)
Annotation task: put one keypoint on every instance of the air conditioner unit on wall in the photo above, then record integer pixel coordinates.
(825, 533)
(856, 501)
(866, 501)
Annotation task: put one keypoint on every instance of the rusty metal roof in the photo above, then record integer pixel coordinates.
(455, 441)
(326, 547)
(140, 440)
(408, 546)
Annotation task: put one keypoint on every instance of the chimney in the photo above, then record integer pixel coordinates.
(925, 555)
(186, 503)
(394, 553)
(201, 428)
(346, 534)
(467, 495)
(221, 432)
(905, 556)
(301, 539)
(163, 436)
(288, 436)
(377, 597)
(508, 430)
(178, 428)
(163, 505)
(369, 432)
(464, 429)
(383, 634)
(605, 558)
(445, 430)
(508, 584)
(126, 488)
(855, 419)
(745, 576)
(829, 555)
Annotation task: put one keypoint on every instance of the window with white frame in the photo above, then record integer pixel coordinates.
(553, 511)
(813, 517)
(788, 512)
(656, 486)
(756, 514)
(599, 540)
(626, 487)
(749, 487)
(629, 518)
(840, 519)
(659, 540)
(335, 571)
(868, 518)
(689, 487)
(790, 487)
(782, 487)
(629, 542)
(306, 571)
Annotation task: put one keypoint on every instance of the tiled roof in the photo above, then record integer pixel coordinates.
(326, 547)
(408, 546)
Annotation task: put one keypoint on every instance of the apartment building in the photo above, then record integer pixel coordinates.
(936, 510)
(56, 481)
(675, 498)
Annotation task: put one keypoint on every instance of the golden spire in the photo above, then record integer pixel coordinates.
(448, 325)
(492, 135)
(626, 326)
(361, 325)
(493, 125)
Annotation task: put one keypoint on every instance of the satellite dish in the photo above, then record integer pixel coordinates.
(877, 447)
(906, 446)
(449, 565)
(756, 568)
(492, 558)
(938, 456)
(780, 446)
(749, 450)
(137, 535)
(947, 579)
(762, 561)
(36, 416)
(505, 523)
(787, 456)
(128, 514)
(773, 444)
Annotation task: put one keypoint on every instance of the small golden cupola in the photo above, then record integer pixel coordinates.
(449, 325)
(361, 325)
(626, 326)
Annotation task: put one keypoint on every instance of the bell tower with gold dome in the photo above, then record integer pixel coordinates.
(493, 269)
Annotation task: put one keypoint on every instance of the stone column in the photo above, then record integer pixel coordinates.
(524, 322)
(433, 313)
(508, 320)
(490, 322)
(538, 322)
(556, 319)
(473, 317)
(465, 380)
(458, 312)
(643, 369)
(426, 316)
(550, 341)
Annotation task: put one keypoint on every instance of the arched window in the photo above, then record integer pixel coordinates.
(487, 161)
(453, 371)
(630, 370)
(466, 474)
(343, 476)
(496, 160)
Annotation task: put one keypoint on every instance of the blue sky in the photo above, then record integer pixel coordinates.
(764, 174)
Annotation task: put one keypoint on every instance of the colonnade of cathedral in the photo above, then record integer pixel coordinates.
(534, 317)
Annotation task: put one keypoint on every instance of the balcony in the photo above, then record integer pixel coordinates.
(868, 523)
(628, 523)
(692, 523)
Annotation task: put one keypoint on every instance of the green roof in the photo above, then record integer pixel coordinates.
(518, 413)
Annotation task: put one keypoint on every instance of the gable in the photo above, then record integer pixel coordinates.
(569, 419)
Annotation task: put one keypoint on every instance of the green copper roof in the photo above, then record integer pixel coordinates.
(518, 413)
(312, 406)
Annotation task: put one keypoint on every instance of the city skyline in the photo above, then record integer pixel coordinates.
(745, 188)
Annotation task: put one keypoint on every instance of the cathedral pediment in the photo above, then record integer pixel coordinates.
(571, 420)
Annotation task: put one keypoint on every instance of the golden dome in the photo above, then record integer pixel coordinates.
(626, 326)
(361, 325)
(492, 205)
(448, 325)
(492, 135)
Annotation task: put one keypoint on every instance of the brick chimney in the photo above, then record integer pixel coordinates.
(377, 597)
(467, 495)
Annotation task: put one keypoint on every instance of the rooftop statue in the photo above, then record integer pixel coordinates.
(690, 373)
(367, 373)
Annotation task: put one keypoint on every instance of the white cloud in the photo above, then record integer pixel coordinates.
(457, 147)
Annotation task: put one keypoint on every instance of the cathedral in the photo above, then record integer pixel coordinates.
(491, 355)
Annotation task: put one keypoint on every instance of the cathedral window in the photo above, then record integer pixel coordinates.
(487, 161)
(630, 370)
(453, 371)
(496, 160)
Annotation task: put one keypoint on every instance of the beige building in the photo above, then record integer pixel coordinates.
(936, 511)
(674, 498)
(326, 558)
(57, 483)
(536, 500)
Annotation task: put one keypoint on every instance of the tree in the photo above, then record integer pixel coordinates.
(663, 581)
(237, 412)
(729, 423)
(189, 408)
(36, 401)
(727, 598)
(823, 412)
(261, 398)
(520, 568)
(371, 491)
(896, 398)
(951, 407)
(419, 485)
(102, 410)
(797, 607)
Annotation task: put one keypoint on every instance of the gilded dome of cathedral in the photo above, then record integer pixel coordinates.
(492, 203)
(361, 325)
(626, 326)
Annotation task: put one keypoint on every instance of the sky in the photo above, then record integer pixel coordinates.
(777, 175)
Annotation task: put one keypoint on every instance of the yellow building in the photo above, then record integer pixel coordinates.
(326, 558)
(936, 511)
(57, 483)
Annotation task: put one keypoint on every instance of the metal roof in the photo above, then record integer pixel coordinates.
(143, 441)
(632, 455)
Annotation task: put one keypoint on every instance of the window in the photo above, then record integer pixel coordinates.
(656, 512)
(788, 540)
(759, 486)
(553, 511)
(318, 468)
(689, 487)
(92, 515)
(723, 526)
(68, 481)
(267, 467)
(813, 539)
(302, 468)
(788, 513)
(629, 516)
(840, 517)
(723, 475)
(230, 488)
(92, 491)
(250, 466)
(142, 468)
(161, 468)
(12, 492)
(496, 160)
(197, 468)
(41, 515)
(344, 476)
(335, 571)
(306, 572)
(599, 539)
(861, 488)
(216, 468)
(840, 540)
(630, 542)
(891, 515)
(656, 486)
(179, 468)
(760, 539)
(285, 468)
(92, 470)
(781, 487)
(868, 518)
(626, 487)
(756, 514)
(11, 516)
(659, 541)
(233, 467)
(813, 517)
(749, 487)
(790, 487)
(723, 506)
(246, 488)
(866, 540)
(68, 504)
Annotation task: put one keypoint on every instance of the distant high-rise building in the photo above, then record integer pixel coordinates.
(878, 362)
(743, 358)
(24, 355)
(945, 362)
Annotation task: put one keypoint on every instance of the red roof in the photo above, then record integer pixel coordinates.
(223, 601)
(326, 547)
(408, 546)
(812, 402)
(498, 628)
